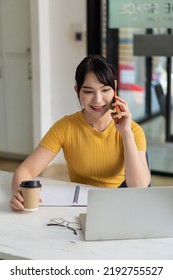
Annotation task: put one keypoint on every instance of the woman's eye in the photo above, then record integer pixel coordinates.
(106, 90)
(87, 91)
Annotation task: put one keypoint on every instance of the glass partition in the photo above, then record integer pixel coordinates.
(138, 77)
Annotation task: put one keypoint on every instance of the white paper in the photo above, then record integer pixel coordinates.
(59, 195)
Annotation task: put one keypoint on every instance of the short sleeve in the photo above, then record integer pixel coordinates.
(55, 137)
(139, 136)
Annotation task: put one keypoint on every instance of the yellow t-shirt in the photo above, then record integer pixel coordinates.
(93, 158)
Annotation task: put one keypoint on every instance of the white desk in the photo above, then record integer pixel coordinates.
(24, 235)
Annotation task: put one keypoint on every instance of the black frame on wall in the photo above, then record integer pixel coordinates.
(94, 27)
(94, 33)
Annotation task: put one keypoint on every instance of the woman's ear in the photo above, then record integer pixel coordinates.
(75, 88)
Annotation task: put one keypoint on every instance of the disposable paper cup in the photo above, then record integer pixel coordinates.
(31, 192)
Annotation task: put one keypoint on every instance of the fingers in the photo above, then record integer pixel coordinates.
(120, 109)
(121, 103)
(16, 202)
(118, 116)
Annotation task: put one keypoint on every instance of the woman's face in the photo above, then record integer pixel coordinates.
(95, 97)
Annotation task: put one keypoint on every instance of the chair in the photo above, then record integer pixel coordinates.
(161, 98)
(124, 185)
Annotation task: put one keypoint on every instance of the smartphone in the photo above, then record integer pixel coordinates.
(117, 108)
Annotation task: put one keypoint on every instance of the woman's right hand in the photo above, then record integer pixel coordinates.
(16, 202)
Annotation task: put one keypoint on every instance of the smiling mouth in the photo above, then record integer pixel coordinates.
(98, 108)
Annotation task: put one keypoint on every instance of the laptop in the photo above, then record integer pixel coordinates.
(128, 213)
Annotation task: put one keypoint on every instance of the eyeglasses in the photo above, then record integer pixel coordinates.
(63, 223)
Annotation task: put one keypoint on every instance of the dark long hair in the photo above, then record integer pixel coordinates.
(104, 71)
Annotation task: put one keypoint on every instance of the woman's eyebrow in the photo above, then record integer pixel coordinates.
(86, 87)
(92, 87)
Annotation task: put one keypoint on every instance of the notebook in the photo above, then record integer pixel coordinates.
(128, 213)
(65, 194)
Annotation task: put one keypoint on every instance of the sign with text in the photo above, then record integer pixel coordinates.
(140, 14)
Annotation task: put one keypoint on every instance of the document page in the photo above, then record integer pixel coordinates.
(57, 195)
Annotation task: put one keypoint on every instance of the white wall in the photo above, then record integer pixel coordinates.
(40, 50)
(55, 55)
(66, 53)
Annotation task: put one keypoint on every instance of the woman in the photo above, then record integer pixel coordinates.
(102, 146)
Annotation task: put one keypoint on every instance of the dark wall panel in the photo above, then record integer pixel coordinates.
(153, 45)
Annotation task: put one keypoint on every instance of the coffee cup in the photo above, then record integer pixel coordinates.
(30, 191)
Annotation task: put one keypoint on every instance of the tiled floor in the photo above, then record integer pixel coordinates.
(60, 172)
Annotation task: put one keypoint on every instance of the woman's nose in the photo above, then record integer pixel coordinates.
(97, 97)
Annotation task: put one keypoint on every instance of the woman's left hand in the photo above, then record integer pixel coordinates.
(122, 117)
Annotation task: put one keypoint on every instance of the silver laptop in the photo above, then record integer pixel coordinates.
(128, 213)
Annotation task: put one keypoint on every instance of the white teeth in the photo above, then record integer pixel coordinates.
(98, 107)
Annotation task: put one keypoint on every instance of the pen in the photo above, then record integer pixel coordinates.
(76, 195)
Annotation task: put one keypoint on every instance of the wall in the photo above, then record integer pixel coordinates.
(55, 55)
(66, 53)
